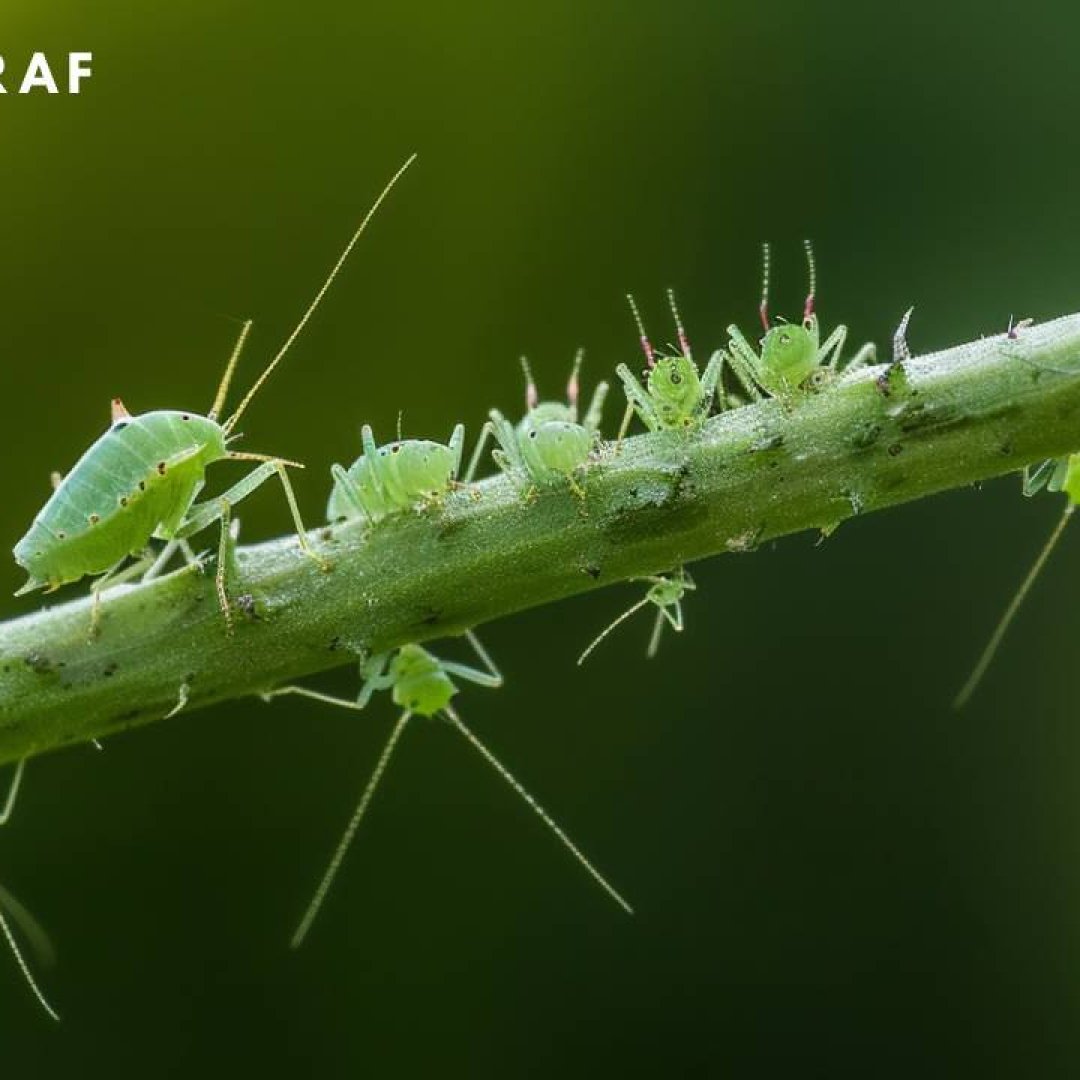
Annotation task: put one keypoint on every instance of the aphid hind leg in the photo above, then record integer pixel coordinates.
(225, 567)
(114, 576)
(712, 383)
(344, 483)
(744, 363)
(637, 400)
(474, 462)
(492, 678)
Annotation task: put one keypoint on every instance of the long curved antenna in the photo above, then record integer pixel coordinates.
(573, 385)
(231, 422)
(230, 367)
(808, 307)
(346, 838)
(763, 307)
(540, 812)
(532, 396)
(7, 900)
(13, 791)
(1010, 612)
(611, 626)
(646, 344)
(684, 344)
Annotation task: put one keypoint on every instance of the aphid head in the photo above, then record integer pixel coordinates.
(675, 388)
(540, 411)
(789, 355)
(421, 685)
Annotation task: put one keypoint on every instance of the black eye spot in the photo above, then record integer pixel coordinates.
(142, 485)
(785, 339)
(532, 434)
(676, 378)
(120, 425)
(59, 536)
(185, 416)
(161, 468)
(123, 500)
(395, 448)
(93, 519)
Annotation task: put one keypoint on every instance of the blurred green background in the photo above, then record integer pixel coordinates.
(834, 875)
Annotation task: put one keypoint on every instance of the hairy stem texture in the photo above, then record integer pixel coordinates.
(872, 440)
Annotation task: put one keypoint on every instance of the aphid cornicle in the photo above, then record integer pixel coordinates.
(421, 684)
(9, 906)
(140, 479)
(793, 358)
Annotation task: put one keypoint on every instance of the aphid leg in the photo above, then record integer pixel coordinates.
(182, 696)
(596, 407)
(1039, 477)
(491, 678)
(350, 831)
(1010, 612)
(376, 677)
(225, 567)
(712, 383)
(744, 362)
(670, 613)
(13, 792)
(901, 351)
(456, 445)
(113, 576)
(637, 400)
(540, 812)
(508, 457)
(344, 483)
(474, 462)
(379, 471)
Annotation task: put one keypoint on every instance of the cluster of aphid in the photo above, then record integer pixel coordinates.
(139, 483)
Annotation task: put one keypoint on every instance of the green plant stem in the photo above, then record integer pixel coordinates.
(753, 473)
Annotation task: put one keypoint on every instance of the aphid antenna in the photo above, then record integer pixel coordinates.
(684, 344)
(226, 379)
(646, 345)
(400, 414)
(573, 386)
(611, 626)
(24, 967)
(808, 307)
(311, 308)
(337, 858)
(763, 307)
(531, 396)
(537, 809)
(987, 656)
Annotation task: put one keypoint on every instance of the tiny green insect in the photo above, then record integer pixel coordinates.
(666, 593)
(549, 444)
(396, 476)
(421, 684)
(11, 908)
(675, 395)
(140, 479)
(1057, 474)
(793, 359)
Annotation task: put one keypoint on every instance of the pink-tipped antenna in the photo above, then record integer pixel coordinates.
(808, 307)
(684, 344)
(573, 386)
(646, 345)
(763, 307)
(531, 396)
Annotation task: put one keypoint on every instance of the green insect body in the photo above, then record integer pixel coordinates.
(675, 395)
(549, 444)
(396, 476)
(11, 908)
(666, 593)
(1057, 474)
(421, 684)
(139, 481)
(792, 359)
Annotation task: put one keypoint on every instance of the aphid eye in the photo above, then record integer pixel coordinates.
(532, 434)
(395, 448)
(785, 339)
(120, 425)
(808, 324)
(676, 378)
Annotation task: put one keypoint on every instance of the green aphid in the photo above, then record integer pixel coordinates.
(666, 594)
(420, 684)
(1058, 474)
(139, 482)
(397, 476)
(549, 444)
(793, 360)
(675, 395)
(10, 907)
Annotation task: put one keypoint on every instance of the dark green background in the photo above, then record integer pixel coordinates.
(834, 875)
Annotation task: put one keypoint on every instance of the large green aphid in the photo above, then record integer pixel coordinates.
(549, 444)
(140, 479)
(675, 395)
(1058, 474)
(393, 477)
(666, 594)
(10, 907)
(421, 684)
(793, 359)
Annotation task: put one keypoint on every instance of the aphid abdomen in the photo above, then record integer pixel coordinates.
(421, 685)
(555, 449)
(143, 471)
